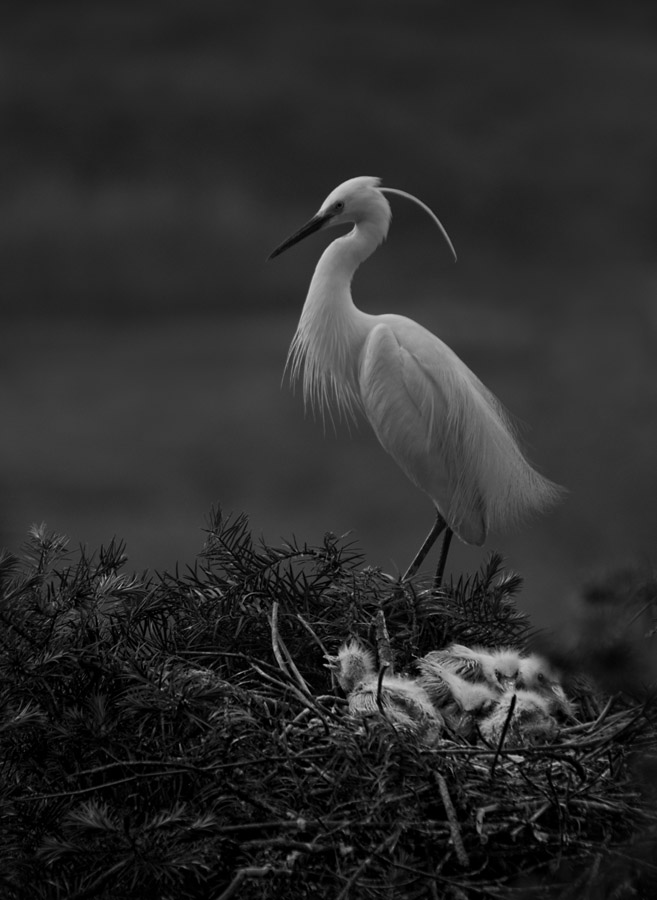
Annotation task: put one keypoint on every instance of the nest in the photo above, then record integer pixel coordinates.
(180, 736)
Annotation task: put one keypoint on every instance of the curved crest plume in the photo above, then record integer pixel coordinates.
(427, 209)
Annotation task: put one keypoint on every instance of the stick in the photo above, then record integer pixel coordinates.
(500, 743)
(383, 647)
(457, 840)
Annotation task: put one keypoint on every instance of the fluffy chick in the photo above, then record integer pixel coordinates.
(461, 702)
(536, 674)
(470, 696)
(477, 665)
(402, 700)
(531, 722)
(352, 665)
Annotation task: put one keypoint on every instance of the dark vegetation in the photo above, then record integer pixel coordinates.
(178, 736)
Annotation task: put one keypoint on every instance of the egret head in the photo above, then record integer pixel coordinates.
(357, 201)
(353, 201)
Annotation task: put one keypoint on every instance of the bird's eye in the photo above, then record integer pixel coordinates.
(540, 678)
(338, 206)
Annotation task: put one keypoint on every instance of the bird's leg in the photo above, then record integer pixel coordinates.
(447, 540)
(430, 540)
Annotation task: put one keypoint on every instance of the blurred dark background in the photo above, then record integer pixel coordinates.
(152, 154)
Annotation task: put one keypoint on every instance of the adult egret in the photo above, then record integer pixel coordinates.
(440, 424)
(402, 700)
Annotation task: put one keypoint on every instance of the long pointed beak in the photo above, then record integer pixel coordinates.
(309, 228)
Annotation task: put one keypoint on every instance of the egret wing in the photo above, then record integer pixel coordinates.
(411, 399)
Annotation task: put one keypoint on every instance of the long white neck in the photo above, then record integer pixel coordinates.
(331, 329)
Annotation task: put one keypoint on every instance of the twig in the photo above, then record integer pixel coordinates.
(535, 816)
(299, 824)
(96, 787)
(457, 840)
(379, 689)
(286, 844)
(280, 650)
(275, 639)
(297, 674)
(243, 874)
(363, 866)
(594, 725)
(306, 698)
(505, 728)
(312, 632)
(383, 642)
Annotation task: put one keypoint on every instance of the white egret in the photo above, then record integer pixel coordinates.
(440, 424)
(402, 700)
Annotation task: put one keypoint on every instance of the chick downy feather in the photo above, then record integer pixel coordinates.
(537, 674)
(401, 699)
(530, 722)
(445, 686)
(477, 664)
